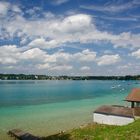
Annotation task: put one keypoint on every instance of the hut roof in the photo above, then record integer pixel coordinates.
(115, 110)
(134, 95)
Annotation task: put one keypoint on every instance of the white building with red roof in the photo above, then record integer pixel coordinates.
(119, 115)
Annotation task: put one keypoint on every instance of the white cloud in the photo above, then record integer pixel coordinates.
(59, 30)
(13, 56)
(34, 53)
(85, 68)
(55, 31)
(33, 11)
(41, 34)
(136, 54)
(15, 8)
(39, 42)
(75, 23)
(42, 43)
(132, 18)
(63, 58)
(58, 2)
(43, 66)
(9, 54)
(61, 68)
(112, 7)
(4, 7)
(127, 40)
(108, 59)
(85, 55)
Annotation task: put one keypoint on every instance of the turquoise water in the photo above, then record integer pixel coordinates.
(47, 107)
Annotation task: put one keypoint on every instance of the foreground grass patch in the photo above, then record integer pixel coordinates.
(102, 132)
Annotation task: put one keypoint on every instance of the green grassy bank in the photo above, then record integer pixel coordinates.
(101, 132)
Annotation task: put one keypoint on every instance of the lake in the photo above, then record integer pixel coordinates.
(47, 107)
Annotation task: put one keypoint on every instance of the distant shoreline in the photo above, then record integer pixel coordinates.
(63, 77)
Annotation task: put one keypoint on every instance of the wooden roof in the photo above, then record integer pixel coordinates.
(134, 95)
(115, 111)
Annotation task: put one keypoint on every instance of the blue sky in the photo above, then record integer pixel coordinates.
(70, 37)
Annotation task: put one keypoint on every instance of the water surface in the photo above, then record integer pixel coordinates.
(47, 107)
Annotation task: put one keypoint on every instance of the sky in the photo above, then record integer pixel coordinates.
(70, 37)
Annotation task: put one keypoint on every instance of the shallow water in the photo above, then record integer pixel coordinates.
(47, 107)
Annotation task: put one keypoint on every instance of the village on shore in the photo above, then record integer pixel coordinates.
(64, 77)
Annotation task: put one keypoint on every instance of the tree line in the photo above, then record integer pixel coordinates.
(46, 77)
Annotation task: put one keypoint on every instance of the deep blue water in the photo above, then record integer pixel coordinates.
(42, 92)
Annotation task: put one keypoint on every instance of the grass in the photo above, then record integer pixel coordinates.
(101, 132)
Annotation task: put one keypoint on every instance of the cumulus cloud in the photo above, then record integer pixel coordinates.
(39, 35)
(9, 54)
(63, 58)
(55, 31)
(6, 6)
(13, 57)
(127, 40)
(40, 59)
(51, 28)
(34, 53)
(76, 23)
(108, 59)
(42, 43)
(136, 53)
(85, 55)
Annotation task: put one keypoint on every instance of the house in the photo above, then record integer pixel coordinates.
(119, 115)
(134, 99)
(113, 115)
